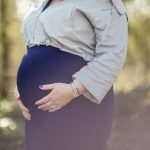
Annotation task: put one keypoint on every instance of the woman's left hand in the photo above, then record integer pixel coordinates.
(60, 95)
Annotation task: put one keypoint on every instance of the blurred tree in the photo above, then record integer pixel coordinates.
(7, 10)
(139, 45)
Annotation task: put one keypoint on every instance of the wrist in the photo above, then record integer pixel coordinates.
(75, 91)
(79, 86)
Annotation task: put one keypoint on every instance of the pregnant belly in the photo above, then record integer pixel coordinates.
(44, 65)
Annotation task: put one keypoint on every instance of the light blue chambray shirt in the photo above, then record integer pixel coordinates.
(96, 30)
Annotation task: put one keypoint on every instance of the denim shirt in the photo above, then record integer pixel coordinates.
(96, 30)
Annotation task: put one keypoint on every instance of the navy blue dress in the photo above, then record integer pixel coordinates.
(80, 125)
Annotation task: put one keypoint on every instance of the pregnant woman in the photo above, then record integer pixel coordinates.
(75, 50)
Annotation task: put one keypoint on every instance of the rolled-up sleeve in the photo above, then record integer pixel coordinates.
(101, 72)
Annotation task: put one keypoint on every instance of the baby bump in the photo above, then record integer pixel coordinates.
(44, 65)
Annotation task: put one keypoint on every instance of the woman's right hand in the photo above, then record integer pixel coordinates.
(24, 110)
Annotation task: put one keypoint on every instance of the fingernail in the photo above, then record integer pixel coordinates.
(37, 102)
(41, 86)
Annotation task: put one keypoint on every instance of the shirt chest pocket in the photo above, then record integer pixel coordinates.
(101, 21)
(56, 20)
(90, 25)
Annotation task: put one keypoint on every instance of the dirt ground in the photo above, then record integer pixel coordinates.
(131, 126)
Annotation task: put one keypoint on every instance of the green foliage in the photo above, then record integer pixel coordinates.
(11, 125)
(139, 45)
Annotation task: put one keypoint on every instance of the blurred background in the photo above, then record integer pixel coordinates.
(131, 126)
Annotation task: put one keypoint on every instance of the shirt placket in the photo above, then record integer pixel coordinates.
(39, 12)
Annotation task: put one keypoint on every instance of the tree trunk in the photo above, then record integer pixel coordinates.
(5, 47)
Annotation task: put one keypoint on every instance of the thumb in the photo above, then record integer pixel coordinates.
(46, 87)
